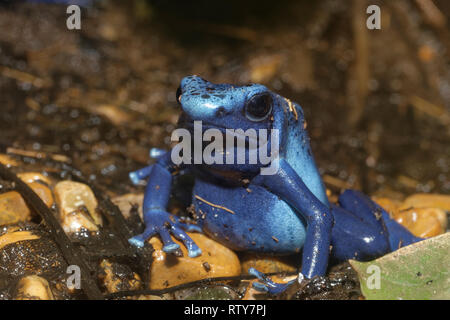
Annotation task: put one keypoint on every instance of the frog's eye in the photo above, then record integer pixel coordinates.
(258, 107)
(178, 94)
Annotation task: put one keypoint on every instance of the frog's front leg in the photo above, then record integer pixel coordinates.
(290, 187)
(157, 220)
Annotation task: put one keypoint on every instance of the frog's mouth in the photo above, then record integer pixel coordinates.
(187, 123)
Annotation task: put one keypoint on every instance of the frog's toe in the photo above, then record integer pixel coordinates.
(134, 178)
(193, 249)
(156, 153)
(169, 246)
(267, 285)
(139, 240)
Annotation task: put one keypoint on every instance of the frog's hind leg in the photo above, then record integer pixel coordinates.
(354, 238)
(362, 206)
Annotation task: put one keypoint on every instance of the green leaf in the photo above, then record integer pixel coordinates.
(416, 272)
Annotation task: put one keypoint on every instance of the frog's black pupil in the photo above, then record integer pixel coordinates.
(259, 106)
(178, 94)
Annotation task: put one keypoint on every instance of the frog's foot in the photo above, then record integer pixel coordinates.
(137, 176)
(267, 285)
(165, 230)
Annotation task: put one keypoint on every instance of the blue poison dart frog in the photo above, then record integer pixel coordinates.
(280, 213)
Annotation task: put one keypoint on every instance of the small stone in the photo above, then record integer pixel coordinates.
(29, 177)
(117, 277)
(8, 161)
(33, 288)
(77, 221)
(168, 270)
(43, 192)
(426, 200)
(390, 205)
(126, 203)
(13, 237)
(268, 263)
(72, 196)
(113, 113)
(423, 222)
(13, 208)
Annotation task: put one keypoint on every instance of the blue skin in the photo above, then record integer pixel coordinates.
(246, 211)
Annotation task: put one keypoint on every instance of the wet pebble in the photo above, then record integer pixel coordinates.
(78, 206)
(13, 208)
(426, 200)
(423, 222)
(8, 161)
(30, 177)
(43, 192)
(77, 222)
(268, 263)
(33, 288)
(168, 270)
(116, 277)
(422, 214)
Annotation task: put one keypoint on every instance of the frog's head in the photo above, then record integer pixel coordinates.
(225, 106)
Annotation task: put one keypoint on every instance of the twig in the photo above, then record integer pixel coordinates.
(22, 77)
(362, 61)
(430, 109)
(431, 13)
(72, 255)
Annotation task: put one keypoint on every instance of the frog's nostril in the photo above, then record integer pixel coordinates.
(220, 112)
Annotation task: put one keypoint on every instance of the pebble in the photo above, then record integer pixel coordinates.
(77, 221)
(168, 270)
(268, 263)
(126, 203)
(13, 208)
(7, 160)
(115, 278)
(33, 288)
(72, 196)
(43, 192)
(30, 177)
(426, 200)
(422, 214)
(13, 237)
(423, 222)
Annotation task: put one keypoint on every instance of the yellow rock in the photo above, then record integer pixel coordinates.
(43, 192)
(426, 200)
(13, 237)
(390, 205)
(33, 288)
(29, 177)
(126, 201)
(71, 196)
(215, 261)
(77, 221)
(13, 208)
(8, 161)
(423, 222)
(267, 263)
(114, 283)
